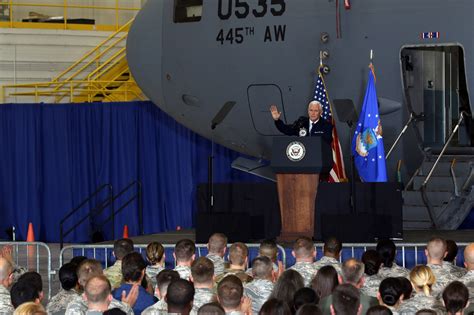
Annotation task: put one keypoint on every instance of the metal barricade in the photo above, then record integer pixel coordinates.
(103, 253)
(34, 256)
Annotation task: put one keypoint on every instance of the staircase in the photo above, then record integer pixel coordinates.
(449, 192)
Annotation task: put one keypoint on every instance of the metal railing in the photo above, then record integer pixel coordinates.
(410, 120)
(63, 22)
(33, 256)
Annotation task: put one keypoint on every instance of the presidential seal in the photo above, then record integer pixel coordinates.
(303, 132)
(295, 151)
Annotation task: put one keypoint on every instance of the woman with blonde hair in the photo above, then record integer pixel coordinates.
(155, 254)
(422, 280)
(30, 308)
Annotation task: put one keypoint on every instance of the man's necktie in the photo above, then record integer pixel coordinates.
(313, 126)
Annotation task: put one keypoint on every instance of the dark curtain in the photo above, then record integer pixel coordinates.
(54, 156)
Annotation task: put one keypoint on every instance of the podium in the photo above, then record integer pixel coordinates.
(297, 162)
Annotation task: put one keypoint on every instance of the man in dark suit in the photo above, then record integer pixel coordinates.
(313, 125)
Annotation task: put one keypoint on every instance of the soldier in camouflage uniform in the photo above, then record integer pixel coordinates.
(435, 252)
(262, 285)
(68, 291)
(304, 253)
(114, 273)
(238, 259)
(468, 278)
(449, 260)
(202, 276)
(372, 262)
(230, 295)
(87, 269)
(155, 254)
(217, 246)
(269, 249)
(422, 279)
(6, 280)
(184, 254)
(331, 254)
(387, 252)
(163, 280)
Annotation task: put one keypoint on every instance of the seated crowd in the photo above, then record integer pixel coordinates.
(210, 285)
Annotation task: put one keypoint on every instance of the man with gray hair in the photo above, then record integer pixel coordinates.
(6, 280)
(353, 274)
(435, 251)
(316, 124)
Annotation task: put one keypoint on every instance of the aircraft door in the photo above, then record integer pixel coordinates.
(436, 86)
(260, 97)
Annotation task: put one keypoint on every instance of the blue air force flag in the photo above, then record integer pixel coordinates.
(367, 143)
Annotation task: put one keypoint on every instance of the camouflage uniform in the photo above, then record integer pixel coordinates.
(258, 291)
(455, 270)
(393, 272)
(60, 301)
(114, 274)
(239, 273)
(79, 307)
(6, 306)
(443, 278)
(468, 280)
(418, 302)
(328, 261)
(201, 297)
(17, 272)
(152, 272)
(158, 308)
(307, 270)
(219, 263)
(371, 285)
(184, 272)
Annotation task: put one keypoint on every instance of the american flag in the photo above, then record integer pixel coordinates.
(338, 172)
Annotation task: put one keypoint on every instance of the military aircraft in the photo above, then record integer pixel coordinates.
(216, 66)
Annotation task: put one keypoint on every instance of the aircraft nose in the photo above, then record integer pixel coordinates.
(144, 48)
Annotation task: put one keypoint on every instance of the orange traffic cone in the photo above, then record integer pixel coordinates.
(30, 236)
(125, 231)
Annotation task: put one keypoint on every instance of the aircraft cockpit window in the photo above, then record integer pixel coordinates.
(186, 11)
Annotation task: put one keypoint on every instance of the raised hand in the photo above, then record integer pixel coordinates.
(132, 296)
(275, 113)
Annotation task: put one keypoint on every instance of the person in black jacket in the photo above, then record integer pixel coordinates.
(305, 126)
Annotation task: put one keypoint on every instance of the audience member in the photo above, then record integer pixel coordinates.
(285, 288)
(163, 280)
(68, 290)
(179, 297)
(390, 294)
(30, 308)
(213, 308)
(455, 298)
(90, 268)
(331, 255)
(97, 293)
(304, 253)
(346, 300)
(353, 274)
(122, 247)
(325, 281)
(435, 252)
(155, 254)
(387, 252)
(238, 260)
(468, 278)
(450, 258)
(230, 293)
(275, 307)
(269, 248)
(6, 280)
(304, 296)
(379, 310)
(133, 271)
(202, 276)
(407, 288)
(184, 254)
(217, 246)
(372, 262)
(22, 292)
(33, 279)
(309, 309)
(261, 287)
(422, 279)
